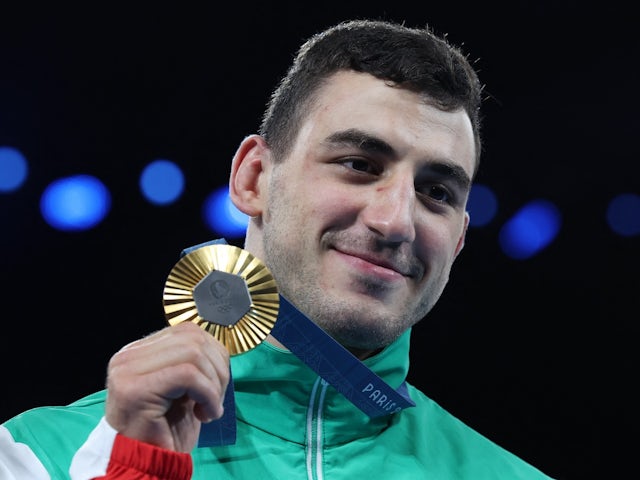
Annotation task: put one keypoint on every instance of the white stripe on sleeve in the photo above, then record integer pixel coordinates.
(17, 460)
(92, 459)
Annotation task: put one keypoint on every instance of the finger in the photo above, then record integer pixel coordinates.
(177, 361)
(183, 343)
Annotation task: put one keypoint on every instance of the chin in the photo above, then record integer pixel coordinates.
(366, 336)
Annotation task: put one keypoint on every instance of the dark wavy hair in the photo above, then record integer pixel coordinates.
(415, 59)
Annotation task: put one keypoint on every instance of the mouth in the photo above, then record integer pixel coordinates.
(378, 265)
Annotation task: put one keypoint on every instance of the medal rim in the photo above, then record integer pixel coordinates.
(253, 327)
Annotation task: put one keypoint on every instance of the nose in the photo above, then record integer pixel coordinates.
(390, 211)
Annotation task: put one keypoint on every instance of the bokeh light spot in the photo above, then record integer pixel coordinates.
(77, 202)
(162, 182)
(13, 169)
(222, 216)
(482, 205)
(530, 230)
(623, 214)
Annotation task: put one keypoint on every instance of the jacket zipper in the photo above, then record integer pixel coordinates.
(315, 445)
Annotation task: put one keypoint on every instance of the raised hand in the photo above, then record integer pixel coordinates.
(162, 387)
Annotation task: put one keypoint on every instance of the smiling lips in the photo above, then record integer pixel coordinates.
(377, 265)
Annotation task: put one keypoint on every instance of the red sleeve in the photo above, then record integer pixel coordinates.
(135, 460)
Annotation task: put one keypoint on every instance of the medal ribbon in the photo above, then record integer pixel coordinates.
(336, 365)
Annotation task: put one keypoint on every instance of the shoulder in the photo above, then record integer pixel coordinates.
(85, 411)
(54, 433)
(455, 449)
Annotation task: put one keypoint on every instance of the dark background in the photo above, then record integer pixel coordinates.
(538, 354)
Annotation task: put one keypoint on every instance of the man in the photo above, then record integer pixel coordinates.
(356, 189)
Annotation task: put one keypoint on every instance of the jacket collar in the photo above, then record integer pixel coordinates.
(277, 393)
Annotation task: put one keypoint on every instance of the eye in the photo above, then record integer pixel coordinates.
(436, 193)
(361, 165)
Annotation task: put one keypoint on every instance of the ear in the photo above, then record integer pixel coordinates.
(460, 244)
(247, 169)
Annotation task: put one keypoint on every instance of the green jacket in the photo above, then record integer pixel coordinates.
(292, 425)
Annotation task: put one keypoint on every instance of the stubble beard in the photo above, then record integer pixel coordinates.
(355, 325)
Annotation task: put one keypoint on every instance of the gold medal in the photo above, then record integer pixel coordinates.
(226, 291)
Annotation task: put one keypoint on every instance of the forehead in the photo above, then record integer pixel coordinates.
(414, 128)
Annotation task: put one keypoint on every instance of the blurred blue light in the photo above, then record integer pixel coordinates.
(13, 169)
(530, 230)
(623, 214)
(222, 216)
(75, 203)
(482, 205)
(162, 182)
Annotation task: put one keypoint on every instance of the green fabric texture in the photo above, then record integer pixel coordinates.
(292, 425)
(54, 434)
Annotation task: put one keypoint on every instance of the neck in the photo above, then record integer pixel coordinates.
(357, 352)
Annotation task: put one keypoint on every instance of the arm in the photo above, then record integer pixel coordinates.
(108, 455)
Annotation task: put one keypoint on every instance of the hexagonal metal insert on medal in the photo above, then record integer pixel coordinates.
(222, 298)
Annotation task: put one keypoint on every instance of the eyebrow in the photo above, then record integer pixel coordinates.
(361, 140)
(451, 170)
(375, 145)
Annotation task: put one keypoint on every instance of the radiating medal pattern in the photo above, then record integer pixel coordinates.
(226, 291)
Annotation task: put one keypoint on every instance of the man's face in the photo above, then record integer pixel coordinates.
(366, 215)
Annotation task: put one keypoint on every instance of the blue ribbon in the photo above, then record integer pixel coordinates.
(337, 365)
